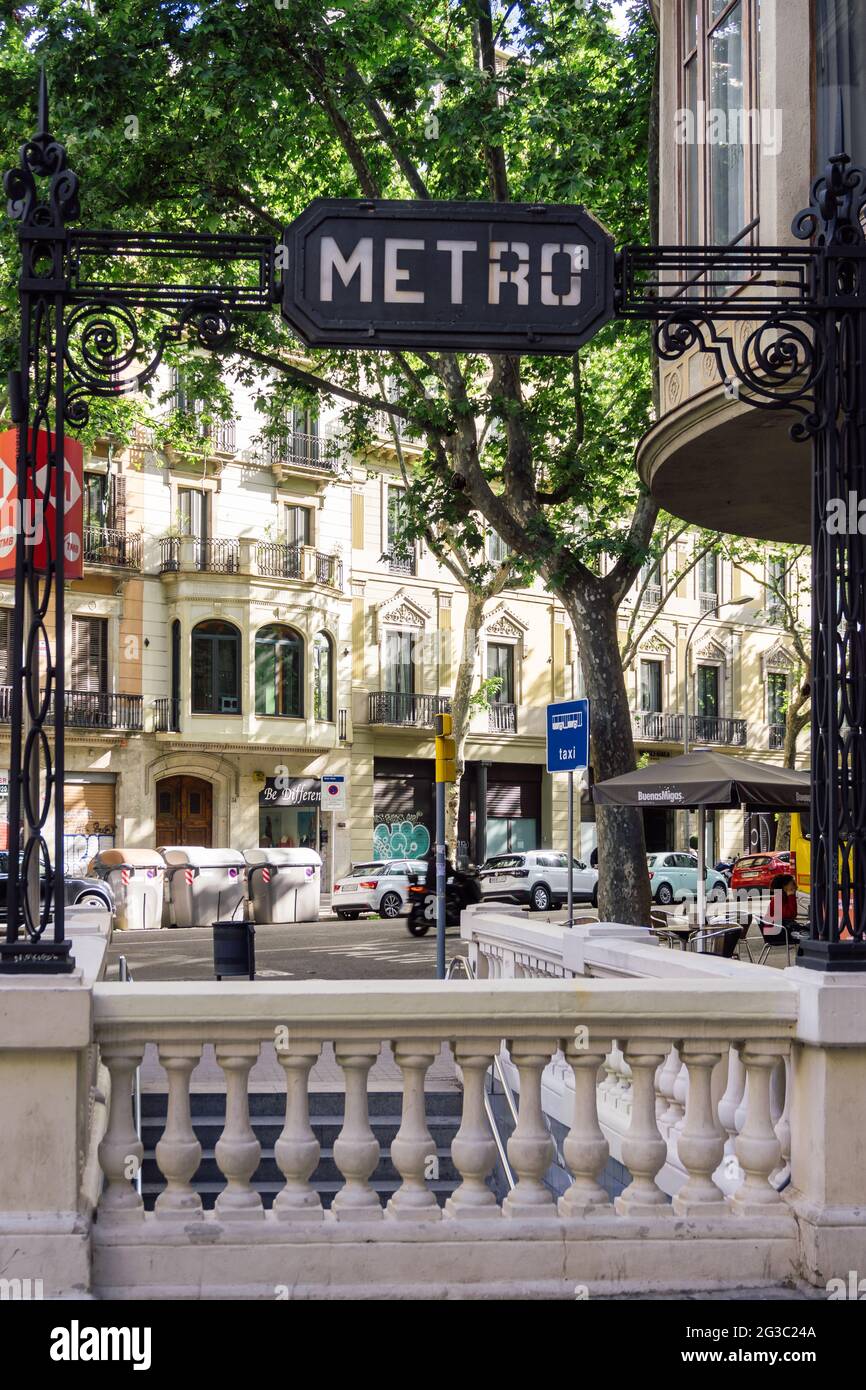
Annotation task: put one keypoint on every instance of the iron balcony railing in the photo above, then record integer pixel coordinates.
(708, 602)
(652, 594)
(221, 436)
(655, 727)
(166, 718)
(329, 570)
(302, 451)
(88, 709)
(502, 718)
(104, 545)
(393, 707)
(658, 728)
(706, 728)
(280, 559)
(777, 736)
(400, 562)
(214, 556)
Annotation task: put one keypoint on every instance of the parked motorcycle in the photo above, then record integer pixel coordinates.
(461, 889)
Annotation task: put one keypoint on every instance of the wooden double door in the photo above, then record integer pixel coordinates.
(184, 811)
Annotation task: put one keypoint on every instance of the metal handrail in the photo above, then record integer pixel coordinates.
(126, 979)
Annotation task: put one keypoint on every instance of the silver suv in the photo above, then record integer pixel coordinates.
(538, 877)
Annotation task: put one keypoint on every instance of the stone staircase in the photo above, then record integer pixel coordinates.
(326, 1118)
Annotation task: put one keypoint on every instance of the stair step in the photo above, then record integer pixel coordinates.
(322, 1104)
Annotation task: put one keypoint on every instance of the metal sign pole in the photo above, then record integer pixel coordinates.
(570, 920)
(440, 881)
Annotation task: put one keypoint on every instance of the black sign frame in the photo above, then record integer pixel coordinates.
(503, 328)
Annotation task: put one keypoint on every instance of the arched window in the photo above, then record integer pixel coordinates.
(279, 672)
(323, 676)
(216, 664)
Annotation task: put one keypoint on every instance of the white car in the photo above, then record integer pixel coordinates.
(538, 877)
(381, 886)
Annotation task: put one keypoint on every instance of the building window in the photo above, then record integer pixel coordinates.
(777, 588)
(718, 136)
(840, 60)
(279, 672)
(298, 528)
(192, 512)
(497, 550)
(500, 666)
(650, 582)
(400, 662)
(651, 687)
(216, 650)
(708, 581)
(323, 676)
(95, 501)
(777, 698)
(708, 691)
(89, 667)
(400, 551)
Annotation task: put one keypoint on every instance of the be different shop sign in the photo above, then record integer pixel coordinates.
(291, 791)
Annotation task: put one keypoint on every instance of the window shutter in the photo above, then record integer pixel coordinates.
(117, 504)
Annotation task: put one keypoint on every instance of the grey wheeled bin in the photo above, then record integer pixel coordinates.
(204, 885)
(285, 885)
(135, 877)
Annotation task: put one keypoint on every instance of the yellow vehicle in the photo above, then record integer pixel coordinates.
(801, 848)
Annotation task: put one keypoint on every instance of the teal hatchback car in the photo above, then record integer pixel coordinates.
(674, 876)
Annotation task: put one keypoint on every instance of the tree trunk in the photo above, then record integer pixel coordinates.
(461, 710)
(623, 883)
(795, 723)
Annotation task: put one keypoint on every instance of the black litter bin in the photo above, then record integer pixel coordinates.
(234, 950)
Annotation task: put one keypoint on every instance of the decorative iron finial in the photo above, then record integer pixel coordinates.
(837, 198)
(42, 157)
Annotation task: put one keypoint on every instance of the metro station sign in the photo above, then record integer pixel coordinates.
(481, 277)
(34, 519)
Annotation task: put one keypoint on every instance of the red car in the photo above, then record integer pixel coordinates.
(763, 870)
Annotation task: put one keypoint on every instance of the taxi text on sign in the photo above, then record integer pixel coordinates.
(34, 520)
(481, 276)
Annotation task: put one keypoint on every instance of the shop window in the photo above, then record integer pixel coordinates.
(323, 676)
(279, 672)
(216, 650)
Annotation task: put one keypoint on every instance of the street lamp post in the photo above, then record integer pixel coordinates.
(702, 814)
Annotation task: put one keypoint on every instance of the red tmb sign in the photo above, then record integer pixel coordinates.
(34, 520)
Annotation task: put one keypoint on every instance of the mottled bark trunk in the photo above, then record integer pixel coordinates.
(623, 884)
(460, 709)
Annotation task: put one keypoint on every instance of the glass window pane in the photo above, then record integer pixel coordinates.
(725, 147)
(691, 224)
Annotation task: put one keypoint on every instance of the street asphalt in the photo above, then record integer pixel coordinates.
(368, 949)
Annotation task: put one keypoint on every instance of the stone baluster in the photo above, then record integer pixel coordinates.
(585, 1148)
(473, 1148)
(728, 1175)
(530, 1148)
(666, 1076)
(238, 1151)
(297, 1149)
(120, 1150)
(780, 1098)
(643, 1149)
(757, 1146)
(702, 1141)
(356, 1149)
(674, 1113)
(412, 1147)
(178, 1152)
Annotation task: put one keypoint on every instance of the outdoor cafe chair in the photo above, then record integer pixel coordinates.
(718, 940)
(777, 934)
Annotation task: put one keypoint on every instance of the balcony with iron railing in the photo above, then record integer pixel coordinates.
(394, 707)
(299, 450)
(246, 556)
(113, 548)
(657, 727)
(88, 709)
(777, 736)
(166, 715)
(501, 717)
(401, 561)
(708, 601)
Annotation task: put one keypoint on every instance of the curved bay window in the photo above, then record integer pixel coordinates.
(216, 664)
(279, 672)
(323, 676)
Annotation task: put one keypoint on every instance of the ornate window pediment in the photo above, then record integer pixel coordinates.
(400, 611)
(712, 651)
(502, 623)
(655, 645)
(780, 660)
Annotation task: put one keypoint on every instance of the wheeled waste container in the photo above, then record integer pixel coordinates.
(135, 877)
(284, 885)
(234, 950)
(204, 885)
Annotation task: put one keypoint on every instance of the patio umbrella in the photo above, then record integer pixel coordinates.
(705, 778)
